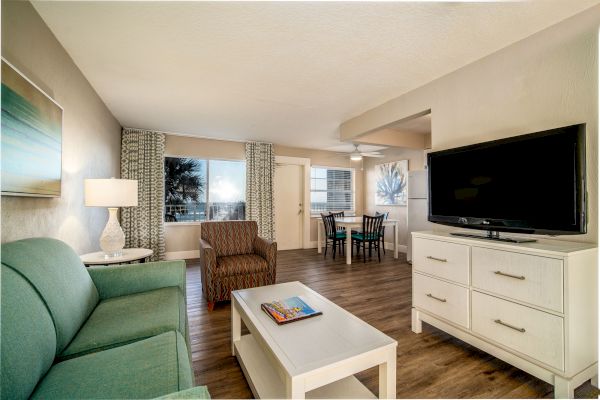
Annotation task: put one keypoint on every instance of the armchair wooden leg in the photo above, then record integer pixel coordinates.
(210, 305)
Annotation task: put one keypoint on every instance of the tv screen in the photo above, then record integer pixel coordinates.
(532, 183)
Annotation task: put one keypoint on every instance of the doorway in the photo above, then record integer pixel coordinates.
(289, 206)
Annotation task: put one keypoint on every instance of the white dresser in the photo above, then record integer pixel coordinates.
(533, 305)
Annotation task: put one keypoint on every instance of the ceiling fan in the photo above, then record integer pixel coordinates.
(357, 155)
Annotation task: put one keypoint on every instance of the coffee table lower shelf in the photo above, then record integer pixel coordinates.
(266, 383)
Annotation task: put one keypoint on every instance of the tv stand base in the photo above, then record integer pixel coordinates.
(493, 235)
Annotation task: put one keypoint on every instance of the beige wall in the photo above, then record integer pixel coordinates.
(329, 159)
(416, 161)
(184, 238)
(547, 80)
(91, 135)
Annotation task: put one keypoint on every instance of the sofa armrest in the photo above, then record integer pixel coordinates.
(121, 280)
(198, 392)
(267, 249)
(208, 266)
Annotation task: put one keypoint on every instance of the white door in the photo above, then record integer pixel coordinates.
(289, 183)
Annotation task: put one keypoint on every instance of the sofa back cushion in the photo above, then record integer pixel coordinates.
(229, 238)
(60, 278)
(28, 338)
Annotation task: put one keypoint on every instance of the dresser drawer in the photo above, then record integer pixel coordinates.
(446, 300)
(529, 331)
(532, 279)
(446, 260)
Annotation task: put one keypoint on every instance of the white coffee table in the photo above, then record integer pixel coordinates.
(313, 358)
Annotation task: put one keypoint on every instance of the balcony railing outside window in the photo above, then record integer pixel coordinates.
(198, 212)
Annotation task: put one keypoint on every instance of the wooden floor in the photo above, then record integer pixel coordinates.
(430, 365)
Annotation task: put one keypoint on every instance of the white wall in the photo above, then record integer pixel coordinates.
(547, 80)
(91, 135)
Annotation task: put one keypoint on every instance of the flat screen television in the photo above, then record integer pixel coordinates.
(532, 183)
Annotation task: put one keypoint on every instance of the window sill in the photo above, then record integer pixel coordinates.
(183, 223)
(348, 214)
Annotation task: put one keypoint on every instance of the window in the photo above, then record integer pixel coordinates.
(331, 189)
(204, 190)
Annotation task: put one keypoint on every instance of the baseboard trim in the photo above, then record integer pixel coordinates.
(182, 255)
(390, 246)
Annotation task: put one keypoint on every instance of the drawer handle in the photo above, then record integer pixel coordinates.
(520, 277)
(437, 259)
(436, 298)
(499, 321)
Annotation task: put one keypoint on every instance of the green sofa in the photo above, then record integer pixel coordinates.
(102, 332)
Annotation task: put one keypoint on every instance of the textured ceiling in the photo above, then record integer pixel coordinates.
(284, 72)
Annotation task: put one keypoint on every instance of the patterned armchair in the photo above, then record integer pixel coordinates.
(233, 257)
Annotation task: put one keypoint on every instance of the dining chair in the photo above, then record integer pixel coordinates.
(385, 217)
(332, 234)
(339, 214)
(371, 230)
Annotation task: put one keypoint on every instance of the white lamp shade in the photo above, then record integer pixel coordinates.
(111, 192)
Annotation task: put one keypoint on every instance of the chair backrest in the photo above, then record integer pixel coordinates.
(28, 337)
(329, 223)
(385, 214)
(372, 226)
(58, 275)
(339, 214)
(230, 238)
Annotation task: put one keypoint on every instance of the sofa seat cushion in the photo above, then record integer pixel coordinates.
(242, 264)
(145, 369)
(125, 319)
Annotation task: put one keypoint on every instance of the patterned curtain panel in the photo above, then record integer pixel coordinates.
(142, 158)
(260, 173)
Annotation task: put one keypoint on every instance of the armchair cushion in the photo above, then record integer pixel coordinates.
(149, 368)
(125, 319)
(243, 264)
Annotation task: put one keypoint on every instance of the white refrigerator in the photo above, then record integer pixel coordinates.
(417, 207)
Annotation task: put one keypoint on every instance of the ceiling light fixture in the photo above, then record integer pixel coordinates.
(355, 156)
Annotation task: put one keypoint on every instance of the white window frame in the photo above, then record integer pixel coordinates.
(352, 170)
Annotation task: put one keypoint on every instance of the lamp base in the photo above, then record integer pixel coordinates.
(112, 240)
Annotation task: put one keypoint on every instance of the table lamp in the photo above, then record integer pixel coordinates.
(111, 193)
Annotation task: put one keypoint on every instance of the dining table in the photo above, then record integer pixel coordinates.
(349, 223)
